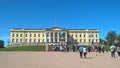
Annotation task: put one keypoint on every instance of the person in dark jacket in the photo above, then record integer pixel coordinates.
(81, 51)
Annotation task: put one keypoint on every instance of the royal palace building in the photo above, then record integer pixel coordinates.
(53, 36)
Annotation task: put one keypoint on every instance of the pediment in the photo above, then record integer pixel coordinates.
(56, 28)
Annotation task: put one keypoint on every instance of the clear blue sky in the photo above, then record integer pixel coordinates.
(72, 14)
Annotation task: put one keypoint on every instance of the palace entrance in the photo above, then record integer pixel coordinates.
(56, 37)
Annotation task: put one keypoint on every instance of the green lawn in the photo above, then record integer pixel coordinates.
(24, 48)
(107, 47)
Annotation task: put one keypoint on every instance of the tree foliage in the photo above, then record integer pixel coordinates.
(111, 36)
(1, 44)
(118, 39)
(102, 41)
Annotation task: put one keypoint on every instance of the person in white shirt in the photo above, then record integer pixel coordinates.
(84, 51)
(118, 51)
(112, 48)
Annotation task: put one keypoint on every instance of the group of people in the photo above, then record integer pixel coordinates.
(113, 49)
(83, 50)
(61, 48)
(101, 49)
(65, 48)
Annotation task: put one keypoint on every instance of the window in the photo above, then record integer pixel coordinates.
(38, 35)
(16, 35)
(72, 35)
(84, 35)
(80, 40)
(47, 34)
(25, 35)
(42, 35)
(96, 40)
(16, 40)
(47, 40)
(25, 40)
(39, 40)
(92, 40)
(34, 40)
(30, 35)
(12, 35)
(96, 35)
(20, 40)
(20, 35)
(30, 40)
(34, 35)
(43, 40)
(91, 34)
(12, 40)
(80, 35)
(84, 40)
(76, 40)
(89, 40)
(76, 35)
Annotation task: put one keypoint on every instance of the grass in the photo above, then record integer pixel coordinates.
(107, 47)
(24, 48)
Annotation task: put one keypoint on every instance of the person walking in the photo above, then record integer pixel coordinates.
(99, 49)
(81, 51)
(61, 48)
(73, 48)
(112, 48)
(102, 48)
(89, 48)
(118, 51)
(84, 51)
(67, 47)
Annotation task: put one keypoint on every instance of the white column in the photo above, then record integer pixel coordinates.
(53, 36)
(46, 42)
(49, 36)
(65, 36)
(58, 37)
(46, 48)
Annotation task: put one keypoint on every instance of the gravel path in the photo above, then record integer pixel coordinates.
(56, 60)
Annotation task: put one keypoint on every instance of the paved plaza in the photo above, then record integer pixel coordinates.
(56, 60)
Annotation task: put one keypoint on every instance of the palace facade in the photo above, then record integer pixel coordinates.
(53, 36)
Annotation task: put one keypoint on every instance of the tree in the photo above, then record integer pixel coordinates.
(8, 41)
(111, 36)
(102, 42)
(1, 44)
(118, 39)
